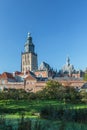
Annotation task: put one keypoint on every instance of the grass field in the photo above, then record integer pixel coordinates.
(15, 108)
(11, 110)
(29, 107)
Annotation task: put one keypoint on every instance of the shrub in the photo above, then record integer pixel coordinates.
(64, 114)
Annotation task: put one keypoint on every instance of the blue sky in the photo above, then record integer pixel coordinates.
(58, 28)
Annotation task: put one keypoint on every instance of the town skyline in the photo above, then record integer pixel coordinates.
(58, 29)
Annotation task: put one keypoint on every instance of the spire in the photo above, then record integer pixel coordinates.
(29, 38)
(29, 46)
(29, 34)
(68, 61)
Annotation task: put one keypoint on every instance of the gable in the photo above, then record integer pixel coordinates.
(30, 77)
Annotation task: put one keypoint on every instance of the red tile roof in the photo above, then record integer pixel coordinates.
(6, 75)
(18, 73)
(31, 76)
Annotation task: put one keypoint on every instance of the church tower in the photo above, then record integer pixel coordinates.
(29, 57)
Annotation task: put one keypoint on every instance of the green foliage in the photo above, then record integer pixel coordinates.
(52, 110)
(54, 90)
(83, 95)
(13, 94)
(85, 77)
(40, 124)
(71, 95)
(23, 124)
(53, 84)
(64, 113)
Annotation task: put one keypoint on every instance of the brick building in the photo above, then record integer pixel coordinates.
(32, 79)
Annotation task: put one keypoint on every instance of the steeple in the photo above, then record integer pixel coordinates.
(29, 34)
(29, 38)
(29, 60)
(29, 46)
(68, 61)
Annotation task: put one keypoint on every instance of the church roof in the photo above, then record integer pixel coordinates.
(44, 66)
(29, 46)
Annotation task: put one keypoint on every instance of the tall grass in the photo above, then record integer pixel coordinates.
(39, 124)
(64, 113)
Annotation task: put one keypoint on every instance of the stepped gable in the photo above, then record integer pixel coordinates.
(6, 75)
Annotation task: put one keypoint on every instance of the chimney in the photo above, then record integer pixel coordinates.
(13, 74)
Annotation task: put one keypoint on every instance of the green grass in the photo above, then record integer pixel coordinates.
(31, 107)
(15, 108)
(26, 105)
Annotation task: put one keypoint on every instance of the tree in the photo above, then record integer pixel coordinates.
(53, 90)
(85, 77)
(71, 95)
